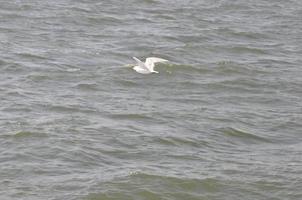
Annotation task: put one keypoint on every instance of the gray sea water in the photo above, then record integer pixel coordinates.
(221, 121)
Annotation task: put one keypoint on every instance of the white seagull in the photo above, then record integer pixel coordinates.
(147, 67)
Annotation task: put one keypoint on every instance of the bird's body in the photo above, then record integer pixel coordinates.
(147, 67)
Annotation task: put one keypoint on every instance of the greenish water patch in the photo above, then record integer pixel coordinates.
(3, 63)
(38, 77)
(153, 187)
(22, 134)
(245, 49)
(28, 134)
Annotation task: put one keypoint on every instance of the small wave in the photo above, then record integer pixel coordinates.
(87, 86)
(231, 67)
(139, 185)
(246, 49)
(23, 134)
(31, 56)
(38, 77)
(21, 109)
(15, 93)
(237, 34)
(83, 8)
(28, 134)
(2, 63)
(240, 83)
(73, 70)
(244, 136)
(250, 35)
(104, 20)
(70, 109)
(130, 116)
(165, 17)
(176, 141)
(151, 186)
(186, 68)
(13, 67)
(127, 83)
(236, 85)
(150, 1)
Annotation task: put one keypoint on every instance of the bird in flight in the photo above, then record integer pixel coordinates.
(147, 67)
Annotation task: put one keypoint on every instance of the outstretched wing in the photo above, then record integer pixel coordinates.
(141, 64)
(152, 60)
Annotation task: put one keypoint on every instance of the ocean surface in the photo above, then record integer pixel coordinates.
(221, 121)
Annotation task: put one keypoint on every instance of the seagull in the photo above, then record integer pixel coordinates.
(147, 67)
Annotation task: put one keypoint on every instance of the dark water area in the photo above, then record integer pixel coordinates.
(221, 120)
